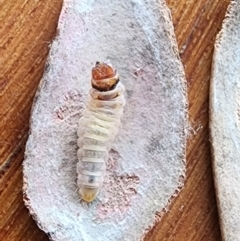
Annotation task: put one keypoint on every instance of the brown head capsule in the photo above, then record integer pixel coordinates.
(104, 77)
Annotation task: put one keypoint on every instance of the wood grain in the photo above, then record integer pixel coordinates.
(26, 30)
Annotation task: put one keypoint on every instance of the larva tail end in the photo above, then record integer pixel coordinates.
(88, 194)
(104, 77)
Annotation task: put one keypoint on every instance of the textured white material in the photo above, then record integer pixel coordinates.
(146, 168)
(225, 122)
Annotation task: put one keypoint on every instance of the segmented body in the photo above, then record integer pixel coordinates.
(97, 129)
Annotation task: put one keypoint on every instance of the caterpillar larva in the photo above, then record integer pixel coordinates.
(97, 129)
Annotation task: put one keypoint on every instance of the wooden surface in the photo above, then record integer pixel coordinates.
(26, 30)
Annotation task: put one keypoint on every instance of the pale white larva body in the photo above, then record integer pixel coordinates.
(96, 130)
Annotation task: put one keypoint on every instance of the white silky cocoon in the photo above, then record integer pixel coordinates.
(146, 164)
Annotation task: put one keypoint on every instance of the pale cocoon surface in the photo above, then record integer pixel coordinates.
(146, 167)
(225, 122)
